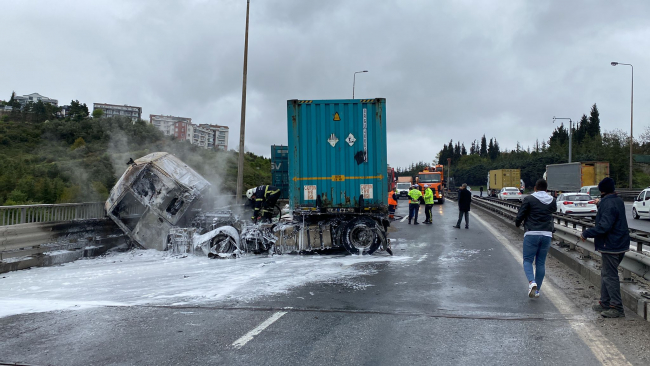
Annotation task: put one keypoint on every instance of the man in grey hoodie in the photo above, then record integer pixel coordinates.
(536, 213)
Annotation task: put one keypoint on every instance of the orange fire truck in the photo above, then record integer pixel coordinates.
(433, 176)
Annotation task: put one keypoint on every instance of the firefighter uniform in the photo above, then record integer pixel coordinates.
(265, 199)
(414, 204)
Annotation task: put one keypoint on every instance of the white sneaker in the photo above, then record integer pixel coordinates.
(532, 287)
(536, 294)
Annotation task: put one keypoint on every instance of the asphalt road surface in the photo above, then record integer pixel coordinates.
(459, 298)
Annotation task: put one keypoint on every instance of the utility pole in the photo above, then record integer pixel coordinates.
(240, 165)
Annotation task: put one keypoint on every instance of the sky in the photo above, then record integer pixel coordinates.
(449, 70)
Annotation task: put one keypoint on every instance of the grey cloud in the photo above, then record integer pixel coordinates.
(449, 70)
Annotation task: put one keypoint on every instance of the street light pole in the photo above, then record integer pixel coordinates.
(240, 165)
(631, 117)
(570, 134)
(354, 80)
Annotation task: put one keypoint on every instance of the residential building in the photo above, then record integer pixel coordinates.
(35, 97)
(113, 110)
(171, 125)
(203, 136)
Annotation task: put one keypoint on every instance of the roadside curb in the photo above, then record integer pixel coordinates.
(57, 257)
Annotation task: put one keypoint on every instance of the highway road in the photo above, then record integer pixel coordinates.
(447, 297)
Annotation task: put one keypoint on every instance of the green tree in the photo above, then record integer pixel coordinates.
(98, 113)
(483, 152)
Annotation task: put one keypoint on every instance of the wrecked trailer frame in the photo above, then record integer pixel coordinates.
(159, 202)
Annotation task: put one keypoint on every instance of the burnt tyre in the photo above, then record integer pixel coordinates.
(361, 236)
(222, 246)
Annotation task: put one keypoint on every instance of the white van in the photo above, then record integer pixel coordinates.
(593, 191)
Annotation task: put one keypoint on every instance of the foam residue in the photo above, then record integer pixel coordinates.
(149, 277)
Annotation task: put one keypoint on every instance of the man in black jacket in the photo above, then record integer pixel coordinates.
(612, 239)
(464, 202)
(536, 213)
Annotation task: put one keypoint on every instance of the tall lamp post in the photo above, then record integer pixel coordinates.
(631, 116)
(354, 80)
(570, 133)
(240, 165)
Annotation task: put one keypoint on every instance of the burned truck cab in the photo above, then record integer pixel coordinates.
(156, 193)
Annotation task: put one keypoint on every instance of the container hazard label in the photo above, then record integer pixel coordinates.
(337, 117)
(310, 193)
(338, 178)
(366, 191)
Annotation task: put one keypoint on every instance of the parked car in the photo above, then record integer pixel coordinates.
(593, 191)
(577, 204)
(510, 193)
(641, 205)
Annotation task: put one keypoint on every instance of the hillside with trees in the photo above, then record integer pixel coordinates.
(45, 159)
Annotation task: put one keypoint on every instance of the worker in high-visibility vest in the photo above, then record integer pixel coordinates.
(263, 200)
(414, 204)
(392, 204)
(428, 204)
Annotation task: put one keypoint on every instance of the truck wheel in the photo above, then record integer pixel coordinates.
(359, 236)
(222, 244)
(441, 201)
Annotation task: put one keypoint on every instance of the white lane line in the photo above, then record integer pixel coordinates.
(423, 258)
(605, 352)
(248, 336)
(404, 219)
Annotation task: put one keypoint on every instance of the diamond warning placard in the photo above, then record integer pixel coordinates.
(310, 193)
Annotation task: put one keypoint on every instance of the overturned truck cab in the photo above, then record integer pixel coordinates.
(338, 189)
(153, 196)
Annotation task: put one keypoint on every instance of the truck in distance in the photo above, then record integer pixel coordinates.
(571, 177)
(432, 177)
(501, 178)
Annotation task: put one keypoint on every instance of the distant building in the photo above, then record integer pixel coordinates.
(202, 136)
(35, 97)
(112, 110)
(220, 137)
(171, 125)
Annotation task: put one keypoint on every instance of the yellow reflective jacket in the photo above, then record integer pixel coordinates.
(414, 195)
(428, 196)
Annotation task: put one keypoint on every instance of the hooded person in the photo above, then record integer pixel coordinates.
(612, 239)
(536, 214)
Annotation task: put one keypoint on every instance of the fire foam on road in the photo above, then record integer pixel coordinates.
(150, 277)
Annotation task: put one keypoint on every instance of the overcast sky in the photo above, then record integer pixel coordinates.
(448, 69)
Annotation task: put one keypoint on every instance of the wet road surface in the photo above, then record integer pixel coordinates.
(458, 298)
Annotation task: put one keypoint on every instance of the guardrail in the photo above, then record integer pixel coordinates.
(27, 214)
(568, 229)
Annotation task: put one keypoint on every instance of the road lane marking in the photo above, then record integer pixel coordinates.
(265, 324)
(423, 258)
(606, 353)
(404, 219)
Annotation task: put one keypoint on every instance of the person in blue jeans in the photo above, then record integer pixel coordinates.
(536, 213)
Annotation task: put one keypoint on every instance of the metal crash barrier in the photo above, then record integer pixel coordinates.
(27, 214)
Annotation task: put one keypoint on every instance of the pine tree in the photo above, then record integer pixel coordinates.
(484, 151)
(490, 149)
(463, 151)
(594, 122)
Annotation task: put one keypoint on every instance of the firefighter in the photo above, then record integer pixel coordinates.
(263, 199)
(414, 204)
(428, 204)
(392, 204)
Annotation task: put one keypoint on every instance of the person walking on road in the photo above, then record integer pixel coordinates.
(464, 202)
(536, 213)
(612, 239)
(428, 203)
(481, 189)
(414, 204)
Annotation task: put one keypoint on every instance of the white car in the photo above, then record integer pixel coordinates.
(641, 205)
(510, 193)
(593, 191)
(577, 204)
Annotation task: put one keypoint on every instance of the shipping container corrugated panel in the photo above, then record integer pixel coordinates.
(564, 177)
(279, 152)
(337, 150)
(500, 178)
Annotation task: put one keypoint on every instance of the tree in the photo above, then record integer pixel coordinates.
(581, 130)
(483, 152)
(78, 111)
(463, 151)
(594, 122)
(98, 113)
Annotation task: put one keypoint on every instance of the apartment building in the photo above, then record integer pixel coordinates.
(171, 125)
(35, 97)
(113, 110)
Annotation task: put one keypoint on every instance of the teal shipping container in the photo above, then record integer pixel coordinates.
(280, 169)
(337, 154)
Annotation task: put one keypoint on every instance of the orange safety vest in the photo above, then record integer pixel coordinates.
(391, 200)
